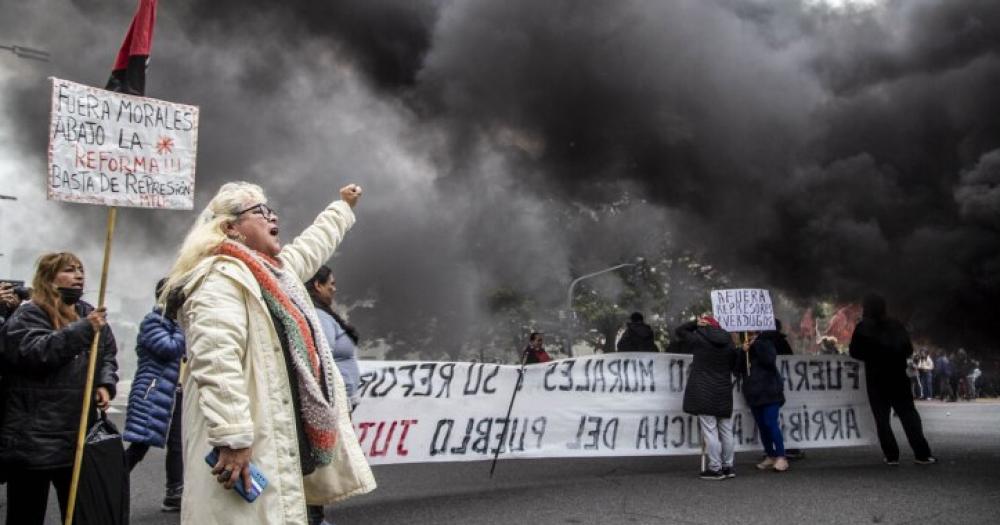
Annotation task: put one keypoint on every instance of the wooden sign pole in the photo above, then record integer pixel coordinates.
(88, 392)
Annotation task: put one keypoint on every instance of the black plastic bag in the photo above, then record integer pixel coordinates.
(103, 496)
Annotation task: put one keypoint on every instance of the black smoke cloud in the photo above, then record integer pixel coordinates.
(822, 152)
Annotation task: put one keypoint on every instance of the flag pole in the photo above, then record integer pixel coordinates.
(81, 436)
(510, 407)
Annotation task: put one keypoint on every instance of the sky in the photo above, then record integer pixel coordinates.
(823, 150)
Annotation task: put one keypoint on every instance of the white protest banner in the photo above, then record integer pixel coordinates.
(626, 404)
(743, 310)
(114, 149)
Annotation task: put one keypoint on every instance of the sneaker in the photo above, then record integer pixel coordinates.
(891, 462)
(780, 465)
(929, 460)
(712, 474)
(172, 500)
(729, 472)
(767, 464)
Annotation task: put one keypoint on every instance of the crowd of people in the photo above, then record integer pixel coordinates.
(719, 361)
(946, 376)
(243, 356)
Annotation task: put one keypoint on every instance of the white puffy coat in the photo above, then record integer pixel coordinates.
(237, 391)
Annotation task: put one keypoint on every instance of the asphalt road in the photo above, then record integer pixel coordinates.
(848, 485)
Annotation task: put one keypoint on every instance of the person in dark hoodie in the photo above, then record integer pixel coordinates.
(781, 347)
(883, 344)
(763, 389)
(638, 336)
(44, 349)
(154, 402)
(709, 391)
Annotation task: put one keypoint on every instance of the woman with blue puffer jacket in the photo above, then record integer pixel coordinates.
(154, 403)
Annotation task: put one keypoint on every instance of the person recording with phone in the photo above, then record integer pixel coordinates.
(12, 294)
(44, 349)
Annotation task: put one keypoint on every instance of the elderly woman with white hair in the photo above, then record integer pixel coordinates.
(261, 385)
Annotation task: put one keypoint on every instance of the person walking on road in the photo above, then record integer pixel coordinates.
(153, 418)
(883, 344)
(708, 393)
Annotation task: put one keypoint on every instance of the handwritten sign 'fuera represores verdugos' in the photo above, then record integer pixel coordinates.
(743, 309)
(120, 150)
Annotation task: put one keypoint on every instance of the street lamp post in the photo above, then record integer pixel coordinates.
(568, 343)
(27, 52)
(4, 198)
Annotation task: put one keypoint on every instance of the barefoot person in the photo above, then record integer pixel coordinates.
(764, 392)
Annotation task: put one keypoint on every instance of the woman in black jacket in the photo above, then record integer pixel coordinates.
(44, 350)
(765, 394)
(708, 393)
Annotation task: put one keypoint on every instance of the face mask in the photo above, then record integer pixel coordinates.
(70, 296)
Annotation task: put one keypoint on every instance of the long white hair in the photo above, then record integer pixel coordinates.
(209, 232)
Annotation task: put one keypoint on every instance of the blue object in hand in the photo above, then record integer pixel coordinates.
(257, 480)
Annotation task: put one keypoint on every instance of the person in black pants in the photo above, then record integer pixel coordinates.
(883, 344)
(44, 349)
(153, 418)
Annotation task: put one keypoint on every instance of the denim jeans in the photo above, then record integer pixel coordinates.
(766, 417)
(926, 385)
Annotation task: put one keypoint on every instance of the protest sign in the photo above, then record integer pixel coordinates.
(114, 149)
(743, 310)
(626, 404)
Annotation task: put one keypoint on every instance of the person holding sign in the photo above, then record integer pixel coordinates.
(884, 346)
(44, 357)
(764, 392)
(261, 385)
(708, 393)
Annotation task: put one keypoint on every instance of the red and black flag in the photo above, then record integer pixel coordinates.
(129, 72)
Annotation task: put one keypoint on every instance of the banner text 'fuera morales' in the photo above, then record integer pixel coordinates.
(624, 404)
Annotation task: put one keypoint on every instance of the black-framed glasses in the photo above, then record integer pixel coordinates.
(260, 209)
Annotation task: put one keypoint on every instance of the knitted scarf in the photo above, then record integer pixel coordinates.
(312, 360)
